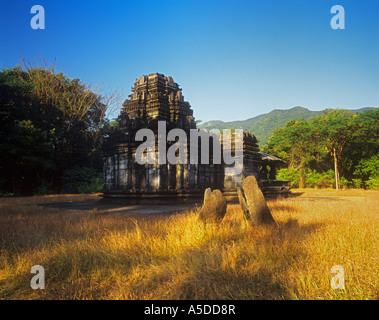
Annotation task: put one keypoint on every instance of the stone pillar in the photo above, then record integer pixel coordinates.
(163, 177)
(200, 176)
(192, 179)
(207, 176)
(133, 177)
(212, 178)
(105, 173)
(179, 176)
(171, 177)
(169, 174)
(110, 174)
(129, 172)
(123, 171)
(220, 176)
(186, 169)
(116, 186)
(144, 177)
(153, 178)
(157, 177)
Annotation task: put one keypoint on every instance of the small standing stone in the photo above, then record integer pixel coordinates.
(253, 203)
(214, 206)
(242, 201)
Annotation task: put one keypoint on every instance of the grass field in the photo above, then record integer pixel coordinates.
(100, 255)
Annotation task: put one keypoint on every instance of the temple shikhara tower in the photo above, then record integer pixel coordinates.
(156, 98)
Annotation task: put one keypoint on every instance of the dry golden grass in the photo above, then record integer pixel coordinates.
(99, 255)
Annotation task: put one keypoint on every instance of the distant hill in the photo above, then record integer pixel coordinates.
(263, 126)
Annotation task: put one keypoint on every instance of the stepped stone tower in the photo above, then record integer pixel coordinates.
(157, 98)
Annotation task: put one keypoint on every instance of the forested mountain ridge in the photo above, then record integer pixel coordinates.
(263, 126)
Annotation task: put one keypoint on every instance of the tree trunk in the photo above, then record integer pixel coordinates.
(336, 169)
(302, 179)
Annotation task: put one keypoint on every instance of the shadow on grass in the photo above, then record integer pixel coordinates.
(295, 194)
(283, 207)
(120, 207)
(258, 273)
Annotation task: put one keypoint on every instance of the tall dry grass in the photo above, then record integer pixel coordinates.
(99, 255)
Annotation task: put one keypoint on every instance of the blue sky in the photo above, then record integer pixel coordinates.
(233, 59)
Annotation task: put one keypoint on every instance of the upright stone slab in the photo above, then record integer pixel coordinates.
(255, 207)
(242, 201)
(214, 207)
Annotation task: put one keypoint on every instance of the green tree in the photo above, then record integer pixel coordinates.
(336, 128)
(338, 139)
(24, 143)
(49, 123)
(362, 146)
(295, 143)
(368, 171)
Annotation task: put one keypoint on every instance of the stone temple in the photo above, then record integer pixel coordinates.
(155, 98)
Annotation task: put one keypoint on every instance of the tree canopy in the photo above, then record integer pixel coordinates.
(49, 124)
(337, 140)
